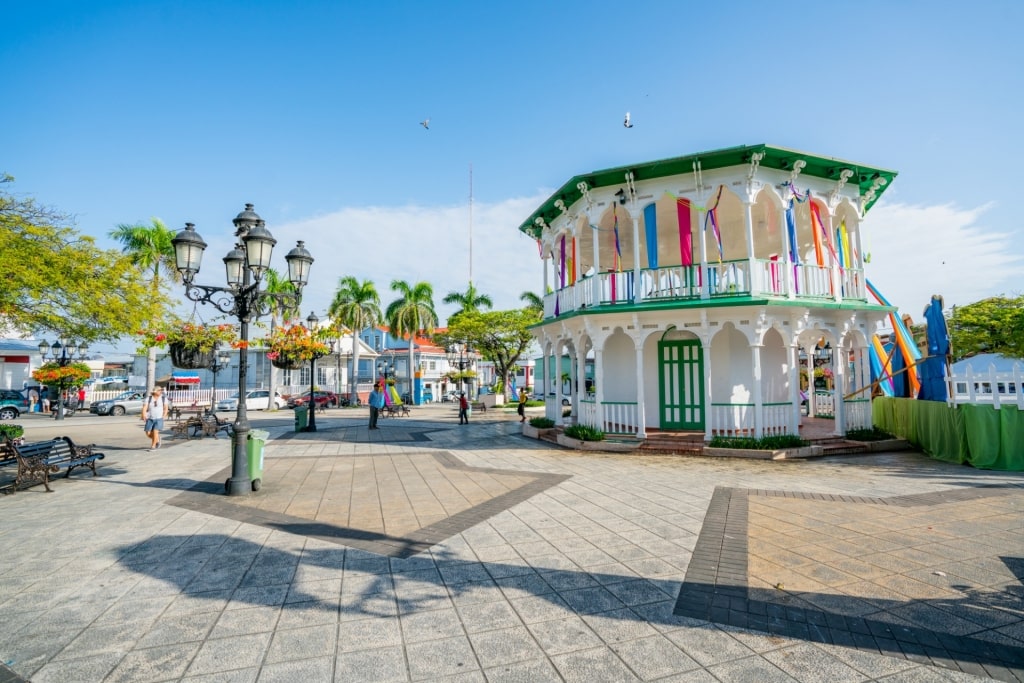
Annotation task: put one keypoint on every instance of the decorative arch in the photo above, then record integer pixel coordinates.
(732, 367)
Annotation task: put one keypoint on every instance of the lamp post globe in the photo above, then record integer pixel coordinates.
(245, 265)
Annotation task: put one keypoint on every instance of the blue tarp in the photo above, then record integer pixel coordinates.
(932, 369)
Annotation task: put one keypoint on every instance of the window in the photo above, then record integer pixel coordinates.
(432, 365)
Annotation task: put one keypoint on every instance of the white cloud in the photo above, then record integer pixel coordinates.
(415, 243)
(917, 251)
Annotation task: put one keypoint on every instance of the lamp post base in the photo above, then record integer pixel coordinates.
(238, 487)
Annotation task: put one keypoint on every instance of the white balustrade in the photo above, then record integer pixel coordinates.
(858, 413)
(988, 388)
(588, 414)
(732, 419)
(853, 284)
(776, 418)
(814, 281)
(620, 418)
(824, 404)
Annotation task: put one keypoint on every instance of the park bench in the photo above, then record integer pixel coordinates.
(478, 406)
(39, 459)
(399, 410)
(200, 426)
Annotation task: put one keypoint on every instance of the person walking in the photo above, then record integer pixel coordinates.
(521, 409)
(376, 403)
(153, 413)
(81, 398)
(44, 399)
(463, 408)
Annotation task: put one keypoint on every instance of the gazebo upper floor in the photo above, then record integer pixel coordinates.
(754, 221)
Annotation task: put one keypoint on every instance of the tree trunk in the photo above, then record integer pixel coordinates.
(353, 395)
(412, 395)
(271, 383)
(151, 367)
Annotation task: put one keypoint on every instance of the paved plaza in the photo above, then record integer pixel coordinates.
(431, 551)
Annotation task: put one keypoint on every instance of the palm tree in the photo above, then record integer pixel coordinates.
(533, 302)
(281, 308)
(412, 312)
(470, 300)
(356, 305)
(149, 246)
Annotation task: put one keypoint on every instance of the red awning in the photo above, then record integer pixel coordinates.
(184, 378)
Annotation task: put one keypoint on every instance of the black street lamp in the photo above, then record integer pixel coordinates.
(63, 356)
(460, 354)
(311, 322)
(246, 265)
(221, 359)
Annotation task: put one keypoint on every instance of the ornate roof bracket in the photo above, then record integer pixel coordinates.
(698, 179)
(587, 199)
(798, 166)
(834, 195)
(631, 188)
(752, 185)
(869, 195)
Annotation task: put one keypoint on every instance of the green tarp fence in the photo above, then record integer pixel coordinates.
(978, 435)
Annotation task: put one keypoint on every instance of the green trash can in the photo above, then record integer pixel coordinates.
(254, 448)
(301, 418)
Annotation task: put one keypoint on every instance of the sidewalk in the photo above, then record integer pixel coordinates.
(429, 551)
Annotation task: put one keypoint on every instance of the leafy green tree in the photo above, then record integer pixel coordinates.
(58, 280)
(993, 325)
(281, 309)
(411, 313)
(150, 249)
(470, 300)
(501, 337)
(357, 306)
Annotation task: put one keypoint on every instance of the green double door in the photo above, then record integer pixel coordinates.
(681, 384)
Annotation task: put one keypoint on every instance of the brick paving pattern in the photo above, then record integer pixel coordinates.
(426, 551)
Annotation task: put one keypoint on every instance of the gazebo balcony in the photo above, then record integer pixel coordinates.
(740, 279)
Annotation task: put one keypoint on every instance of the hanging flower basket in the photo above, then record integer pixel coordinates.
(284, 361)
(190, 358)
(292, 346)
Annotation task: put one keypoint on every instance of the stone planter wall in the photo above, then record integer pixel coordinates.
(887, 445)
(781, 454)
(536, 433)
(604, 446)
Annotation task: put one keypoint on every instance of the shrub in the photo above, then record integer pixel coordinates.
(767, 443)
(584, 433)
(541, 423)
(11, 431)
(871, 434)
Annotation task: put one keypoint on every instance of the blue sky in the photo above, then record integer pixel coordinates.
(119, 111)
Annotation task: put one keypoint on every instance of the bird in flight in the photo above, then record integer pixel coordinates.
(425, 123)
(627, 123)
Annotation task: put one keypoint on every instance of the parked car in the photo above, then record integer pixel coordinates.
(328, 398)
(129, 402)
(257, 399)
(12, 404)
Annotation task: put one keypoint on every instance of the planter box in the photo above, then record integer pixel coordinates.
(535, 432)
(492, 400)
(603, 446)
(887, 445)
(781, 454)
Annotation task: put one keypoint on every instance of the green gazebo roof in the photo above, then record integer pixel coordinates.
(774, 157)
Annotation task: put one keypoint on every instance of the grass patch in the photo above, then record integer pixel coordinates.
(541, 423)
(872, 434)
(584, 433)
(766, 443)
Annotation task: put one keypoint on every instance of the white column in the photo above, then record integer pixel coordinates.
(708, 398)
(556, 377)
(544, 268)
(793, 352)
(595, 292)
(637, 293)
(641, 418)
(599, 386)
(840, 354)
(704, 291)
(748, 216)
(758, 399)
(580, 385)
(787, 264)
(837, 282)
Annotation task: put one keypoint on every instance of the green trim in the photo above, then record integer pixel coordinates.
(780, 158)
(676, 304)
(784, 403)
(746, 405)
